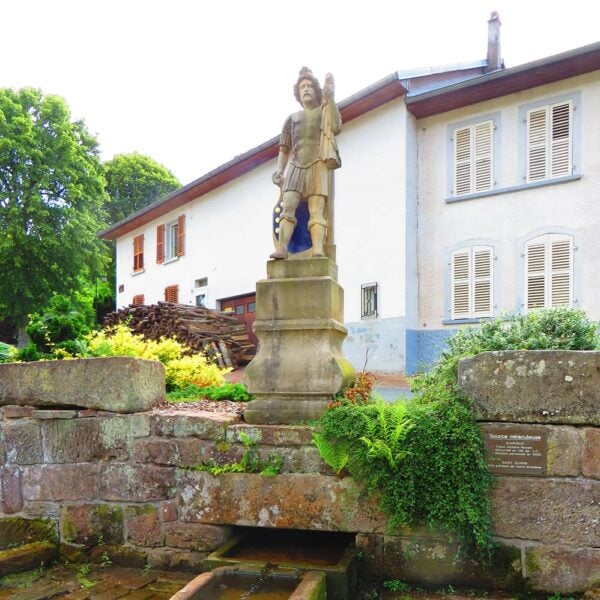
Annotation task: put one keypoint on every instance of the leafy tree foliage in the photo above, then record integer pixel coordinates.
(51, 196)
(134, 181)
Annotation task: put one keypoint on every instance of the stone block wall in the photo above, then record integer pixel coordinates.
(552, 517)
(124, 487)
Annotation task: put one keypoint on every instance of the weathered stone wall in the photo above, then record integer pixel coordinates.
(554, 517)
(124, 487)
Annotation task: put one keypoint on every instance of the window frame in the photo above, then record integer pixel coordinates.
(170, 292)
(138, 253)
(548, 273)
(549, 144)
(138, 300)
(471, 280)
(524, 111)
(452, 132)
(369, 300)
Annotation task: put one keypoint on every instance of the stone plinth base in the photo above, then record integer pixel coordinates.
(299, 366)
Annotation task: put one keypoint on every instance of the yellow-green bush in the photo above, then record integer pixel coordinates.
(193, 369)
(181, 369)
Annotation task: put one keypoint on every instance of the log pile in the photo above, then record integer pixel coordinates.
(219, 335)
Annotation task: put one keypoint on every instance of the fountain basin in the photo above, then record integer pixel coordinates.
(291, 550)
(237, 583)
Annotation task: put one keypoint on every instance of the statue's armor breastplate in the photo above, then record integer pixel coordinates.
(306, 137)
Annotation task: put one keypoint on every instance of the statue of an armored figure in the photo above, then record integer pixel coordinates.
(308, 154)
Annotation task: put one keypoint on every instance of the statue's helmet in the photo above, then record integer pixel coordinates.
(306, 73)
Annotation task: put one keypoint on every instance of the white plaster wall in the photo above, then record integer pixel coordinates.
(370, 210)
(227, 240)
(505, 218)
(228, 237)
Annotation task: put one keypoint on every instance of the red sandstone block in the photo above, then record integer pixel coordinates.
(88, 412)
(196, 536)
(22, 442)
(143, 526)
(11, 499)
(181, 452)
(87, 524)
(561, 569)
(551, 511)
(168, 511)
(60, 482)
(591, 453)
(17, 412)
(273, 435)
(136, 483)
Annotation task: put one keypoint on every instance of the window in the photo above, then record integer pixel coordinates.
(138, 300)
(172, 294)
(368, 302)
(201, 300)
(549, 271)
(472, 282)
(202, 282)
(170, 240)
(473, 158)
(138, 253)
(549, 141)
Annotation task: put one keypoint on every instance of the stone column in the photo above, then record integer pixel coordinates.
(299, 365)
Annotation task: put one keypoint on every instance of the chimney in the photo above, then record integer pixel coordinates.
(494, 58)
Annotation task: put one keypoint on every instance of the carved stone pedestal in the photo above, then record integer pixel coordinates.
(299, 324)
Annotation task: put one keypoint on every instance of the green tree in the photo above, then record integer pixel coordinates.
(51, 197)
(133, 181)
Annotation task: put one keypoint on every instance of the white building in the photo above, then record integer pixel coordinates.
(466, 191)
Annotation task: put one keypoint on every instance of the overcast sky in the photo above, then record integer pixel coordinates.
(193, 83)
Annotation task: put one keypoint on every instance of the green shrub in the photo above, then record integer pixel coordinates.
(236, 392)
(8, 353)
(181, 369)
(59, 323)
(425, 457)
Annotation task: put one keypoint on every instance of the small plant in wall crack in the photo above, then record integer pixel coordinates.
(250, 461)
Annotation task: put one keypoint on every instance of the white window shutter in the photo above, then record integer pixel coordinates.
(472, 282)
(536, 275)
(549, 266)
(460, 302)
(561, 272)
(560, 148)
(482, 180)
(537, 142)
(482, 281)
(462, 161)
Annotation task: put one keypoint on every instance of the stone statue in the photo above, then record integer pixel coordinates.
(308, 154)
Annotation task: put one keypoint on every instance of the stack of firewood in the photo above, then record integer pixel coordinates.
(219, 335)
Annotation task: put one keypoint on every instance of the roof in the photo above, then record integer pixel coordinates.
(427, 92)
(508, 81)
(369, 98)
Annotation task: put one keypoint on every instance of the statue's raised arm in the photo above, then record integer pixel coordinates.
(308, 154)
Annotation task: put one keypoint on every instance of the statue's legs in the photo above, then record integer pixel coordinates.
(317, 225)
(287, 224)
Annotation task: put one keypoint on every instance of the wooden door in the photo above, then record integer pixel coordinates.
(244, 308)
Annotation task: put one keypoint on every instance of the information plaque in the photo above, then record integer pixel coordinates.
(516, 450)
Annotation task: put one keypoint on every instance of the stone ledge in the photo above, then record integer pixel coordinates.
(562, 569)
(135, 384)
(560, 511)
(292, 501)
(534, 386)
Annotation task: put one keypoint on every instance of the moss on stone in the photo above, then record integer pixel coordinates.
(74, 553)
(17, 531)
(124, 556)
(26, 557)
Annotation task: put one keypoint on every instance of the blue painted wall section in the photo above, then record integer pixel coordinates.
(378, 342)
(423, 347)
